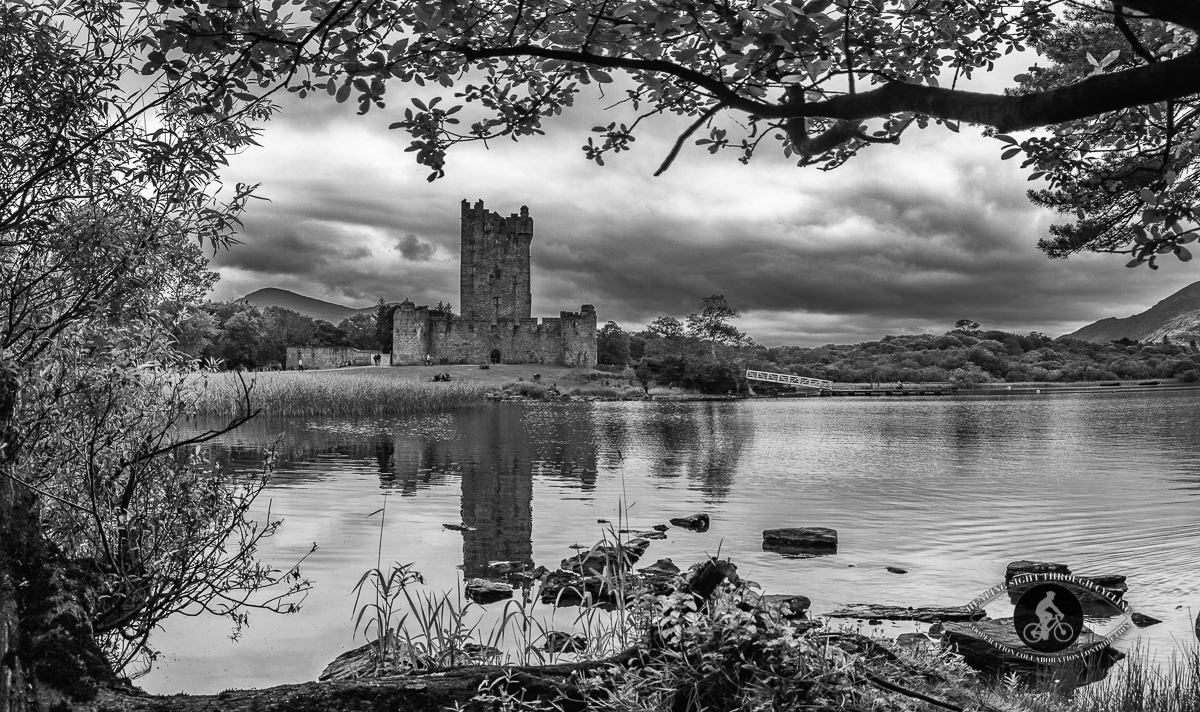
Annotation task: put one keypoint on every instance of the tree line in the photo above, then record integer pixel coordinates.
(674, 354)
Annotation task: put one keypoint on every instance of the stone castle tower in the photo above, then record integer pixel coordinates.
(495, 325)
(494, 274)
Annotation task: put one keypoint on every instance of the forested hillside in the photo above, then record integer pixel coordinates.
(973, 357)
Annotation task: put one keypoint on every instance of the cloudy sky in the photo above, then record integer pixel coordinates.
(904, 239)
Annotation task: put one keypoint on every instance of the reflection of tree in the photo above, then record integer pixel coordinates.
(703, 441)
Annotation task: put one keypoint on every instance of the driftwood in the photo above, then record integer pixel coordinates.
(927, 614)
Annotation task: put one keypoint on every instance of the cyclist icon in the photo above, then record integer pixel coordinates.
(1050, 622)
(1048, 617)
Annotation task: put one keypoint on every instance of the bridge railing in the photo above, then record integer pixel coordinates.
(788, 379)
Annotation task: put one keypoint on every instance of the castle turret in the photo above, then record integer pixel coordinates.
(494, 272)
(410, 334)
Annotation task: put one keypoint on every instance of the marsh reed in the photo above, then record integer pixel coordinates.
(332, 394)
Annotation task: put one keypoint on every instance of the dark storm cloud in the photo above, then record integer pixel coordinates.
(290, 249)
(413, 249)
(907, 238)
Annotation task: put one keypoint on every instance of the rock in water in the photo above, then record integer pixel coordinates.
(566, 588)
(664, 568)
(484, 591)
(603, 556)
(801, 540)
(1024, 566)
(897, 570)
(1142, 620)
(696, 522)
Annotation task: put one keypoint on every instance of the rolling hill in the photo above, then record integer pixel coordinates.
(1177, 317)
(315, 308)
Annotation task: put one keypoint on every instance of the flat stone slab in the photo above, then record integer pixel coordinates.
(801, 542)
(801, 536)
(925, 614)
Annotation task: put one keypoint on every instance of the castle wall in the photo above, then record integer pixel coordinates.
(494, 267)
(562, 340)
(326, 357)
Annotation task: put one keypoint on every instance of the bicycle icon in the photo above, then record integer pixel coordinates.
(1059, 629)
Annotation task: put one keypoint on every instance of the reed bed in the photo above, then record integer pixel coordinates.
(1140, 686)
(289, 393)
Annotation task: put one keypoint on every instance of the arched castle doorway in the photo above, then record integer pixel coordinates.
(495, 356)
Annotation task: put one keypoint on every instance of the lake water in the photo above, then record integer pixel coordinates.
(951, 489)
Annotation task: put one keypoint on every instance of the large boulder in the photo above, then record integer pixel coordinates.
(819, 541)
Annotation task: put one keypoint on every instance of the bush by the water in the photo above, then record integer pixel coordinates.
(335, 394)
(696, 373)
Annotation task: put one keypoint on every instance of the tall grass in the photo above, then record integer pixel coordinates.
(340, 394)
(1140, 686)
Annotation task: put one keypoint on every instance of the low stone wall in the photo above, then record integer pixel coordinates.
(328, 357)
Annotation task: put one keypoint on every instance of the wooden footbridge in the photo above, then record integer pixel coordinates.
(822, 387)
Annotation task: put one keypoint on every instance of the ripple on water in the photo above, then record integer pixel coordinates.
(950, 489)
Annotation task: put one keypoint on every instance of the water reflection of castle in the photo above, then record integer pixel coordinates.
(496, 452)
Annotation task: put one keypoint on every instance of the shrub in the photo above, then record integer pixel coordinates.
(526, 388)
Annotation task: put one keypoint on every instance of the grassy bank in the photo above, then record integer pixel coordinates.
(360, 392)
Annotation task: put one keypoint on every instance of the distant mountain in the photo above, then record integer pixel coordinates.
(1177, 316)
(315, 308)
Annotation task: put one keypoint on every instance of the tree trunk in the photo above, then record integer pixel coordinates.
(14, 682)
(47, 651)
